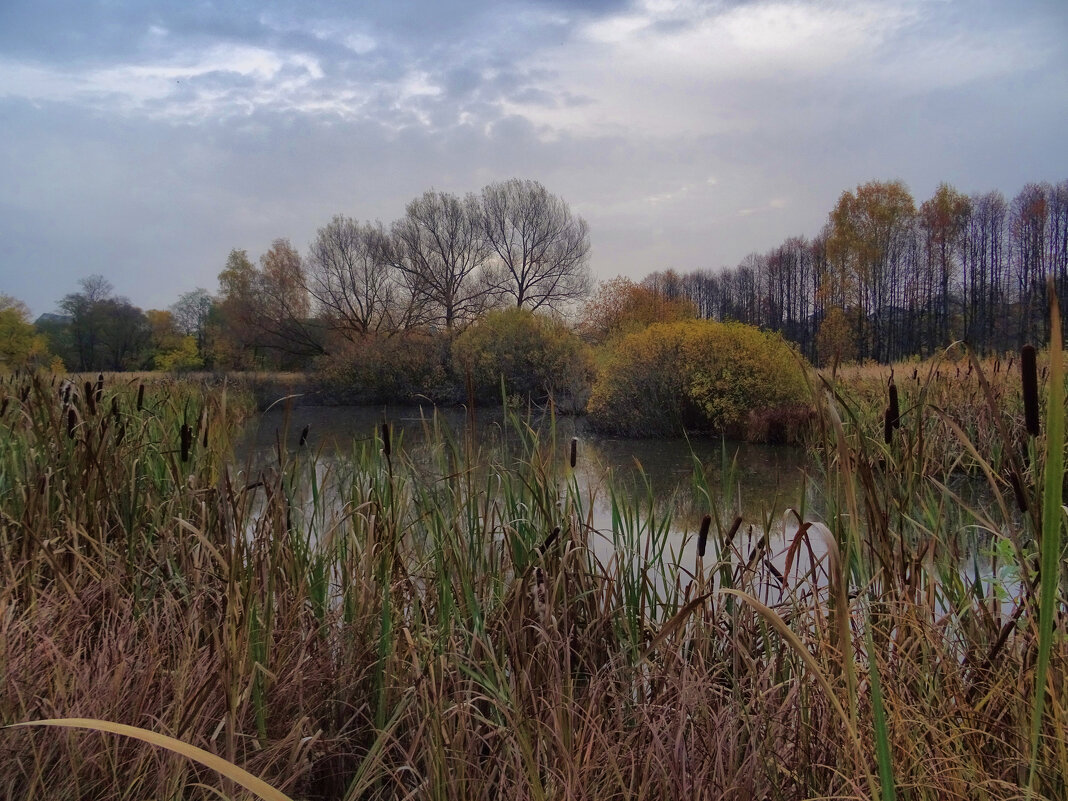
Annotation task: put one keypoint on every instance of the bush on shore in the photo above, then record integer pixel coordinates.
(695, 375)
(535, 357)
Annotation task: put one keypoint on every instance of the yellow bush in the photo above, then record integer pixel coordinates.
(695, 375)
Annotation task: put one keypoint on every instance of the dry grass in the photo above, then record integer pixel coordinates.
(384, 629)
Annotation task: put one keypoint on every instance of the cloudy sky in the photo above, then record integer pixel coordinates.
(145, 140)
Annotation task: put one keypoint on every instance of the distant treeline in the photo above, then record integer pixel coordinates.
(884, 280)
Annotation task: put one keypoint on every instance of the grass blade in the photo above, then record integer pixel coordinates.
(232, 772)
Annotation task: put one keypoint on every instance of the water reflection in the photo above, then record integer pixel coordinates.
(672, 482)
(750, 480)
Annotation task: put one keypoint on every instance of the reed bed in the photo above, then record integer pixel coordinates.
(454, 627)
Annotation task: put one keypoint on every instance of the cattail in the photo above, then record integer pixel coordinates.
(72, 421)
(387, 448)
(187, 441)
(894, 411)
(66, 392)
(702, 535)
(997, 366)
(25, 393)
(115, 407)
(90, 401)
(140, 397)
(99, 386)
(1029, 373)
(1018, 491)
(888, 427)
(304, 435)
(204, 433)
(3, 406)
(915, 374)
(574, 451)
(545, 546)
(120, 432)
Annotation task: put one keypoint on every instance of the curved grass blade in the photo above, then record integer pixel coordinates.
(237, 775)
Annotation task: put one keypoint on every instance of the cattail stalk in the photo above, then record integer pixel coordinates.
(574, 452)
(90, 400)
(1029, 374)
(894, 411)
(140, 397)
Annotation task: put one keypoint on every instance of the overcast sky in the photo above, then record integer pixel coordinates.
(144, 140)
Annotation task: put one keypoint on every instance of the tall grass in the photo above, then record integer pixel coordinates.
(452, 623)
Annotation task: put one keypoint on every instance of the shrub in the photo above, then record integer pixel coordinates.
(535, 356)
(399, 369)
(696, 375)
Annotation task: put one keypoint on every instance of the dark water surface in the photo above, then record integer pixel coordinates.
(758, 482)
(755, 481)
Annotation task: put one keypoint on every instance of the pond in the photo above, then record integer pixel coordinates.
(759, 483)
(753, 481)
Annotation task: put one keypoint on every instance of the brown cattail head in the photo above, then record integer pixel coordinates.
(888, 427)
(99, 386)
(66, 392)
(3, 405)
(702, 535)
(140, 397)
(204, 432)
(553, 536)
(72, 421)
(120, 432)
(387, 447)
(894, 411)
(1029, 374)
(24, 393)
(304, 435)
(90, 399)
(187, 441)
(574, 452)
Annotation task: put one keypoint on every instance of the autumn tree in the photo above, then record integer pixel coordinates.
(264, 313)
(944, 222)
(541, 250)
(620, 306)
(870, 230)
(20, 344)
(440, 251)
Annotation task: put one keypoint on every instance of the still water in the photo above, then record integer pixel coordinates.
(757, 482)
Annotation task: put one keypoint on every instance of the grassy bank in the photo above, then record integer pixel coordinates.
(447, 632)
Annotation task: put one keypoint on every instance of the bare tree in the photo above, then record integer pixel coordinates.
(192, 311)
(542, 250)
(440, 251)
(350, 276)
